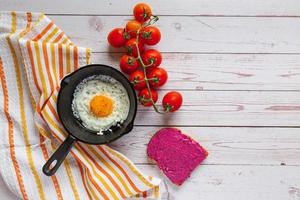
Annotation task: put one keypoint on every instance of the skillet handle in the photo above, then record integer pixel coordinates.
(58, 156)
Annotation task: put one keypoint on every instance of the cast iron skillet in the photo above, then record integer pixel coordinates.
(76, 131)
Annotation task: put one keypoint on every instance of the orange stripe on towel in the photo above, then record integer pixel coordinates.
(11, 134)
(60, 60)
(130, 166)
(68, 59)
(44, 31)
(83, 180)
(75, 58)
(23, 121)
(101, 192)
(32, 66)
(41, 135)
(50, 78)
(57, 39)
(116, 186)
(111, 169)
(52, 110)
(71, 179)
(120, 168)
(29, 18)
(46, 156)
(145, 194)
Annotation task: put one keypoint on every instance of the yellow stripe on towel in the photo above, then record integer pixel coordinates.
(112, 170)
(71, 179)
(48, 57)
(23, 121)
(11, 134)
(49, 37)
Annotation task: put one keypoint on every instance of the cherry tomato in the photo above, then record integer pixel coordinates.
(144, 97)
(132, 27)
(153, 56)
(128, 64)
(142, 12)
(150, 35)
(172, 101)
(131, 49)
(159, 76)
(117, 37)
(137, 78)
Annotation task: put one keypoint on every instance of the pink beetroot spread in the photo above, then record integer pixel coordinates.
(176, 154)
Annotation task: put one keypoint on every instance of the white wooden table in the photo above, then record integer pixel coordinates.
(237, 63)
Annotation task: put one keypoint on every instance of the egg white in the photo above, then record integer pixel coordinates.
(100, 85)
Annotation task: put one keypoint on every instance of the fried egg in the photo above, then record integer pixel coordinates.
(100, 102)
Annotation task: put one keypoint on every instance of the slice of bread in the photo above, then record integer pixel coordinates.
(175, 153)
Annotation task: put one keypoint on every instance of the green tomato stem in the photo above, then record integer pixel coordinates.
(150, 22)
(149, 79)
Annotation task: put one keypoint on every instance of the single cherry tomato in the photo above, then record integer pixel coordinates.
(132, 27)
(172, 101)
(131, 49)
(158, 77)
(117, 37)
(151, 56)
(145, 99)
(142, 12)
(150, 35)
(128, 64)
(137, 78)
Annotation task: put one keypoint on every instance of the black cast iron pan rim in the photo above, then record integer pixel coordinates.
(125, 78)
(60, 154)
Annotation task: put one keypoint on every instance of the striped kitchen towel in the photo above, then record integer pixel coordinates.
(35, 55)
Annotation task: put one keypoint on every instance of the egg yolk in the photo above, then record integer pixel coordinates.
(101, 106)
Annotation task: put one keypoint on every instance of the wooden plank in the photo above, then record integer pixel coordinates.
(179, 7)
(228, 146)
(229, 108)
(194, 34)
(223, 182)
(234, 182)
(224, 71)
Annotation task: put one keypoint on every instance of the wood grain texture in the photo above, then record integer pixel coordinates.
(224, 71)
(162, 7)
(223, 181)
(237, 64)
(234, 183)
(228, 108)
(194, 34)
(226, 146)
